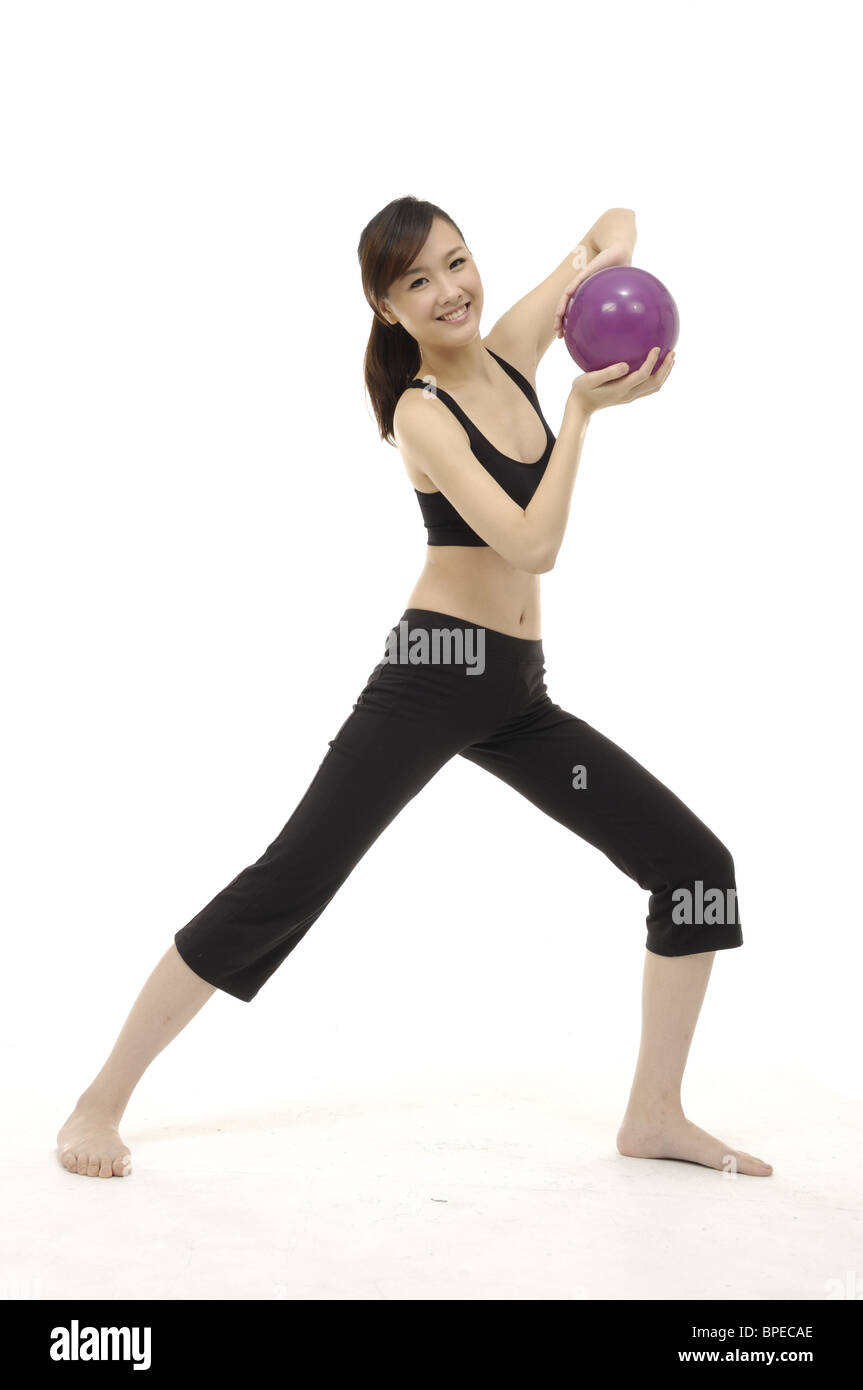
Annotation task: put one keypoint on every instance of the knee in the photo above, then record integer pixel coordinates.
(701, 856)
(693, 904)
(717, 863)
(705, 888)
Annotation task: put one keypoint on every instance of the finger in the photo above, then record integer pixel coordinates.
(653, 383)
(647, 365)
(618, 369)
(565, 298)
(569, 292)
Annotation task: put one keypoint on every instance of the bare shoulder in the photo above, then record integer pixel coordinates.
(515, 351)
(411, 410)
(410, 421)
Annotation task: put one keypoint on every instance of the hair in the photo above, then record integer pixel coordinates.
(386, 248)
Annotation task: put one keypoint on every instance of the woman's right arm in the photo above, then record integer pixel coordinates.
(429, 436)
(432, 441)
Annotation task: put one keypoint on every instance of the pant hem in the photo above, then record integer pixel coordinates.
(217, 984)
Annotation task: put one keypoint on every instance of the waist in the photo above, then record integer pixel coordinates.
(479, 587)
(448, 632)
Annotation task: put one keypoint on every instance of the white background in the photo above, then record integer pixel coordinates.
(205, 541)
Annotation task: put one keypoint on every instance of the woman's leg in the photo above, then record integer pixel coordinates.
(89, 1142)
(378, 760)
(654, 1125)
(587, 783)
(407, 722)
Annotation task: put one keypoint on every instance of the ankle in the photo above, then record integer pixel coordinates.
(654, 1107)
(100, 1102)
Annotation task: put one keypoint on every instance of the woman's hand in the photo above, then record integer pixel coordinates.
(618, 254)
(617, 385)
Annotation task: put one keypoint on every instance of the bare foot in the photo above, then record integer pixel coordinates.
(673, 1136)
(89, 1144)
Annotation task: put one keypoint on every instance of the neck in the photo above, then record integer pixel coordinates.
(457, 367)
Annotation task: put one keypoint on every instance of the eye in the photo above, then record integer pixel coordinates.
(458, 259)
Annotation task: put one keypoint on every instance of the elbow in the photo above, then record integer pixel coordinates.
(534, 553)
(541, 561)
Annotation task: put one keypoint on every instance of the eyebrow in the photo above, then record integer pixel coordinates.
(417, 268)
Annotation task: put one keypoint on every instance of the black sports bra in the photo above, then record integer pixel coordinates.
(518, 480)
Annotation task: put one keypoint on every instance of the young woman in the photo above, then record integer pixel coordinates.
(462, 672)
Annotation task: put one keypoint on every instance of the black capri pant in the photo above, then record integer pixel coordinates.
(446, 686)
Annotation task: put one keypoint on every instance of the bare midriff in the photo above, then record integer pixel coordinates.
(476, 584)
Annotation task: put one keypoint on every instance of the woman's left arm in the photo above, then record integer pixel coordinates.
(616, 227)
(611, 241)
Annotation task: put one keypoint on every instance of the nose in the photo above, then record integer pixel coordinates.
(451, 300)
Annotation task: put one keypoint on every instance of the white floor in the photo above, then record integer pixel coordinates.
(437, 1189)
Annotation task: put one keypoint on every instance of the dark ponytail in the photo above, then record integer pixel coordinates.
(387, 245)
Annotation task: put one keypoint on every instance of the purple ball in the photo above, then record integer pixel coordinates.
(618, 315)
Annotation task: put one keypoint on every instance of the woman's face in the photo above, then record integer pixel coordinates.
(441, 279)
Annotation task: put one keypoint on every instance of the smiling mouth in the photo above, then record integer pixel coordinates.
(457, 316)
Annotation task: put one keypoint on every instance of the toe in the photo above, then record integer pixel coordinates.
(752, 1165)
(93, 1167)
(122, 1166)
(106, 1170)
(83, 1160)
(760, 1163)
